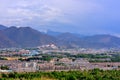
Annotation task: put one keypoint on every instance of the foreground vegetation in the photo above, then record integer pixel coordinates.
(95, 74)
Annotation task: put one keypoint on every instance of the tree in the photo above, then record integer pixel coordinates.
(4, 67)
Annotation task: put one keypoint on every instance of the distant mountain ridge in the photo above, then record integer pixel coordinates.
(2, 27)
(53, 33)
(28, 37)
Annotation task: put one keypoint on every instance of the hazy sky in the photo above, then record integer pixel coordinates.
(79, 16)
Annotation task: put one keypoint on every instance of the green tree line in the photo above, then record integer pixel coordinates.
(94, 74)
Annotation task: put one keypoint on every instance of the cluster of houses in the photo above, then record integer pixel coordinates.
(64, 64)
(56, 64)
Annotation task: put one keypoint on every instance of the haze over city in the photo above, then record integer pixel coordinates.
(76, 16)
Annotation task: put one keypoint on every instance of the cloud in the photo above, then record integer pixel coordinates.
(29, 13)
(89, 16)
(43, 11)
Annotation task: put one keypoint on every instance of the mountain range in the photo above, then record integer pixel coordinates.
(29, 37)
(2, 27)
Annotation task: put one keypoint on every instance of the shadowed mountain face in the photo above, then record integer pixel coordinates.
(68, 40)
(2, 27)
(28, 37)
(104, 41)
(6, 42)
(96, 41)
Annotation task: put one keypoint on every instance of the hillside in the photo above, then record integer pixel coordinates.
(2, 27)
(29, 37)
(6, 42)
